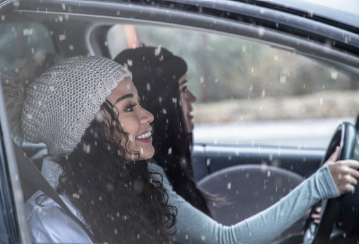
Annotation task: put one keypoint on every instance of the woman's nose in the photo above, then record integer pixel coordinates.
(190, 97)
(146, 116)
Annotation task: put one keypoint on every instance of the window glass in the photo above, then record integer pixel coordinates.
(19, 41)
(22, 40)
(252, 93)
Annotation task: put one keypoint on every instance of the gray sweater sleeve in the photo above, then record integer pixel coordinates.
(195, 227)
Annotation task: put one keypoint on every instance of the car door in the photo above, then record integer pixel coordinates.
(13, 226)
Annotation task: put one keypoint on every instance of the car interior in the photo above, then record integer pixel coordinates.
(250, 175)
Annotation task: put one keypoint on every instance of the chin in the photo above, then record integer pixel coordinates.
(148, 153)
(190, 128)
(146, 157)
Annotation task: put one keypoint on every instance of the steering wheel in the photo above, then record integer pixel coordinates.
(342, 212)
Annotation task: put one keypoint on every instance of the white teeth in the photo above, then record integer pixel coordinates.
(145, 135)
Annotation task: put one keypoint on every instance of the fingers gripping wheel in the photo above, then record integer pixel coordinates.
(341, 212)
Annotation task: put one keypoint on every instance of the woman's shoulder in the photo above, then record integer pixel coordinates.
(39, 202)
(174, 198)
(160, 174)
(154, 167)
(48, 222)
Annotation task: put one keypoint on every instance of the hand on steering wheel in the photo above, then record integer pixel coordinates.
(344, 172)
(338, 212)
(315, 217)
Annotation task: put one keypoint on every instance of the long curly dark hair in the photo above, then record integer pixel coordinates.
(156, 72)
(121, 201)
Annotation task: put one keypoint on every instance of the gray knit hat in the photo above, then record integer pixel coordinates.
(61, 103)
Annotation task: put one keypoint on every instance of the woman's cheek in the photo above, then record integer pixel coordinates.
(132, 132)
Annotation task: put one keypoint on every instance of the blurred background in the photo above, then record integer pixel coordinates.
(247, 92)
(252, 93)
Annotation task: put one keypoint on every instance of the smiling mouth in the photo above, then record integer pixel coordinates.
(144, 135)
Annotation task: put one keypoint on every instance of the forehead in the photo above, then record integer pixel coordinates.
(124, 87)
(183, 78)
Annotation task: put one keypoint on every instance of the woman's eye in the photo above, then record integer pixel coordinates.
(183, 89)
(130, 109)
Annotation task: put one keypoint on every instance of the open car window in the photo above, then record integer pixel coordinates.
(252, 93)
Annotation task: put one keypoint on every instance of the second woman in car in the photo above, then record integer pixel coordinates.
(161, 78)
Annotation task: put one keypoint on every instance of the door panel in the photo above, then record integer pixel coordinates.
(210, 158)
(245, 190)
(249, 179)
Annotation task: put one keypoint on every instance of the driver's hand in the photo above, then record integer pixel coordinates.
(334, 157)
(316, 216)
(344, 172)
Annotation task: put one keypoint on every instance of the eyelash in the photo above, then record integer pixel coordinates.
(183, 89)
(130, 108)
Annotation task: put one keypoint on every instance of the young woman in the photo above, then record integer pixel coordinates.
(161, 80)
(85, 109)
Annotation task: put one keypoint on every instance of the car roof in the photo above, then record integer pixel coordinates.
(340, 11)
(292, 32)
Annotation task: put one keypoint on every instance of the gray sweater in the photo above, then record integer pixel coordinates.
(193, 226)
(50, 223)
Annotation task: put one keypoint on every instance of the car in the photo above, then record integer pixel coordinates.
(274, 80)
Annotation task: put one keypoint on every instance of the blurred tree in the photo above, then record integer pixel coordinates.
(22, 40)
(223, 67)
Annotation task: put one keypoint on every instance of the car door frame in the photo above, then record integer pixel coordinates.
(12, 196)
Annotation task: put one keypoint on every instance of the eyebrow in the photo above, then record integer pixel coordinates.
(183, 82)
(130, 95)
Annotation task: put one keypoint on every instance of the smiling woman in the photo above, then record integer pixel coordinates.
(133, 118)
(95, 137)
(161, 79)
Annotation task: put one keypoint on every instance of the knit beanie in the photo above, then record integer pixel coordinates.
(58, 106)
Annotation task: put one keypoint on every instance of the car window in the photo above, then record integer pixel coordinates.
(252, 93)
(22, 40)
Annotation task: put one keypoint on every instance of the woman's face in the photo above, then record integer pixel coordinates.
(187, 98)
(134, 119)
